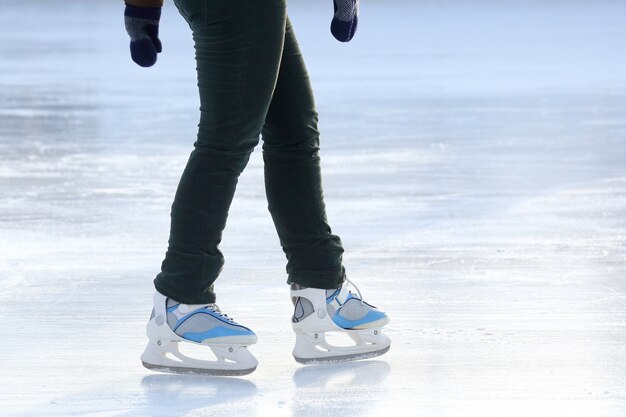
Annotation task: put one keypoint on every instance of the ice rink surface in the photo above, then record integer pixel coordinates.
(474, 162)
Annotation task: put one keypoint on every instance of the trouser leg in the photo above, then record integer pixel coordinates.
(238, 49)
(293, 180)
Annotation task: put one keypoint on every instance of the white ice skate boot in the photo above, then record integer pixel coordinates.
(319, 311)
(204, 325)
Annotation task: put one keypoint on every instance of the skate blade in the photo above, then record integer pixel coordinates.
(341, 358)
(182, 370)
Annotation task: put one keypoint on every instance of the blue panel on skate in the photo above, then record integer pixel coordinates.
(216, 332)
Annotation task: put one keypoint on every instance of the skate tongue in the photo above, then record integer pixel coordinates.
(188, 308)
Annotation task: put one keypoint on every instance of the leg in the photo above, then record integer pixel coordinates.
(293, 181)
(296, 201)
(238, 50)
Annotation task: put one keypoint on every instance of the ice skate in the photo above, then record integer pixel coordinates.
(172, 323)
(319, 311)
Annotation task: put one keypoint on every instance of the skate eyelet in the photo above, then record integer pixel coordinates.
(376, 332)
(159, 343)
(230, 350)
(315, 335)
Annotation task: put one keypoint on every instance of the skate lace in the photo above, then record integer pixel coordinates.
(217, 310)
(357, 290)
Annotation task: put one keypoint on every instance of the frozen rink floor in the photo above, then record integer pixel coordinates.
(474, 162)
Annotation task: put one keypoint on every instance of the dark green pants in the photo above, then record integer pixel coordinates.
(252, 81)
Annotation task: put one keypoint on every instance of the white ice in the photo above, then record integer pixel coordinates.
(474, 162)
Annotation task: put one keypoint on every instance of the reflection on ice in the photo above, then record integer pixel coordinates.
(183, 394)
(338, 388)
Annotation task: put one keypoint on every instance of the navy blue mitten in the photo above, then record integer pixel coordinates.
(142, 25)
(343, 26)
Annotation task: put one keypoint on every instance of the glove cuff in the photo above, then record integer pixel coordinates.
(149, 13)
